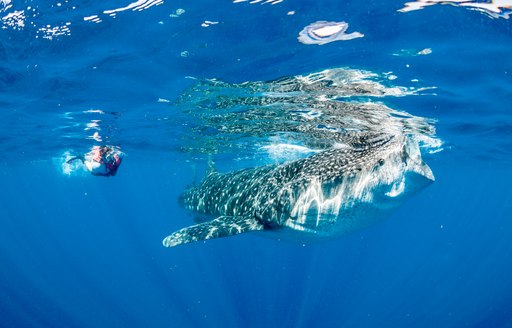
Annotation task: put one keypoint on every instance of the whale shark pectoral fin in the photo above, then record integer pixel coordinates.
(222, 226)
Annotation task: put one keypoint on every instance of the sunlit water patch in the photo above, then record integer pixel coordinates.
(262, 2)
(412, 52)
(134, 6)
(5, 4)
(177, 13)
(15, 20)
(93, 126)
(33, 18)
(323, 32)
(208, 23)
(139, 5)
(49, 21)
(493, 8)
(49, 32)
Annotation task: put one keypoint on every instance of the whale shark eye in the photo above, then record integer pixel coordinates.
(381, 162)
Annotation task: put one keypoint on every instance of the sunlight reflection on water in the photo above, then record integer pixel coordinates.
(493, 9)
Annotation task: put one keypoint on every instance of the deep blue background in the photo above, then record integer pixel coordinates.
(80, 251)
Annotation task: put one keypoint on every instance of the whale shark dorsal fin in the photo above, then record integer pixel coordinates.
(223, 226)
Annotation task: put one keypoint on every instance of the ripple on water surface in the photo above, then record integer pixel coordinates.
(493, 8)
(323, 32)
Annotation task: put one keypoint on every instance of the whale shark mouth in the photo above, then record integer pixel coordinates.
(397, 188)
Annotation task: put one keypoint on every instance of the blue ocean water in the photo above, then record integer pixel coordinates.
(84, 251)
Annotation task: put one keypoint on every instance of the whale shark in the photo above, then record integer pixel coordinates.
(323, 196)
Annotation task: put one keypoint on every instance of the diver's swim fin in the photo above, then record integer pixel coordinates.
(222, 226)
(71, 160)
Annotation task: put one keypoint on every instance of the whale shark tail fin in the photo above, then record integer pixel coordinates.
(222, 226)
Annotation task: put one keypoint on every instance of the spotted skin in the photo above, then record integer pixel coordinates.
(322, 196)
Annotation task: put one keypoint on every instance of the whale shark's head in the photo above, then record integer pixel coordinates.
(350, 188)
(394, 168)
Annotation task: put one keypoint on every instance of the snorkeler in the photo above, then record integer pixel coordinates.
(101, 160)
